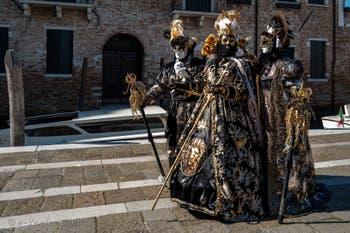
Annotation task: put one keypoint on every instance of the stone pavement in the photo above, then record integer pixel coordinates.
(110, 188)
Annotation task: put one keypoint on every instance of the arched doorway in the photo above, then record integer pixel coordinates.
(122, 54)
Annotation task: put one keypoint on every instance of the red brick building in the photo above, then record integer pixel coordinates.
(117, 37)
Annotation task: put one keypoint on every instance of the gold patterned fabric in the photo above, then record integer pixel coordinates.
(286, 117)
(219, 171)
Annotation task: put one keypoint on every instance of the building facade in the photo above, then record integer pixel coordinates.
(116, 37)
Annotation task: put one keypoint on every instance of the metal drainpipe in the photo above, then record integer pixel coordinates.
(333, 58)
(256, 28)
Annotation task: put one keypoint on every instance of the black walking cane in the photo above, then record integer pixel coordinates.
(150, 139)
(136, 99)
(285, 187)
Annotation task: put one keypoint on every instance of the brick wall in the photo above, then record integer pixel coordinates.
(146, 20)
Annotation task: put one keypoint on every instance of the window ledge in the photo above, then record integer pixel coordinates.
(317, 79)
(317, 5)
(194, 14)
(59, 5)
(58, 75)
(200, 15)
(76, 4)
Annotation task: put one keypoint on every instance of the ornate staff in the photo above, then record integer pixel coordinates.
(137, 96)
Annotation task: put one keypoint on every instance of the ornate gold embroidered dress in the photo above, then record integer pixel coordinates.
(218, 172)
(286, 115)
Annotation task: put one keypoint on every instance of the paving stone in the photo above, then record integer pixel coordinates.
(88, 199)
(121, 223)
(331, 172)
(205, 226)
(335, 227)
(158, 215)
(3, 205)
(329, 139)
(113, 173)
(165, 226)
(87, 225)
(7, 230)
(142, 150)
(150, 173)
(116, 152)
(69, 155)
(331, 153)
(151, 192)
(26, 174)
(290, 228)
(313, 217)
(73, 176)
(161, 148)
(131, 171)
(45, 182)
(18, 184)
(343, 215)
(93, 171)
(45, 156)
(183, 214)
(100, 152)
(244, 227)
(95, 180)
(44, 228)
(16, 158)
(148, 165)
(23, 206)
(52, 172)
(4, 180)
(57, 202)
(123, 195)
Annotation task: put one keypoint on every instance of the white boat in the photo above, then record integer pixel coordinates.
(332, 122)
(90, 126)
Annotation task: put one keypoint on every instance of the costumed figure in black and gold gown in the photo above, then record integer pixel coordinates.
(177, 79)
(286, 118)
(217, 170)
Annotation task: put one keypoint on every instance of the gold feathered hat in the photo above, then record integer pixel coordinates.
(228, 23)
(278, 27)
(177, 36)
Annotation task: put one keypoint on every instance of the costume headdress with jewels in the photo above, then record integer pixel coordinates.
(278, 27)
(177, 36)
(228, 23)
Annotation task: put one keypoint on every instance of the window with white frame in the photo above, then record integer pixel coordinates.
(317, 59)
(4, 42)
(59, 57)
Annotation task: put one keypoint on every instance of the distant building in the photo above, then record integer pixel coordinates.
(122, 36)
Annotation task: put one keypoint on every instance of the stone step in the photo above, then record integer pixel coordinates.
(82, 175)
(45, 217)
(74, 198)
(65, 153)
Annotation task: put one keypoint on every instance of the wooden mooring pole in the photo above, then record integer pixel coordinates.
(16, 97)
